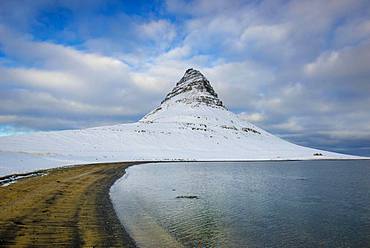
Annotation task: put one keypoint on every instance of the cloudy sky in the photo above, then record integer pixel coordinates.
(299, 69)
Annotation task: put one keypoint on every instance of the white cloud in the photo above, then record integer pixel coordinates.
(161, 30)
(353, 32)
(58, 80)
(239, 84)
(202, 7)
(267, 33)
(252, 117)
(346, 62)
(180, 52)
(42, 79)
(291, 125)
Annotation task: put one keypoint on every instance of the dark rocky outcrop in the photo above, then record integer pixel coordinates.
(203, 93)
(187, 197)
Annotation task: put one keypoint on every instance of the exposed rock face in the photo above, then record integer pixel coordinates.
(194, 88)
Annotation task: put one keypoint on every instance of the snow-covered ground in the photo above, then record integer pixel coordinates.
(190, 124)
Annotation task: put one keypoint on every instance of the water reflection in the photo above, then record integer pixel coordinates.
(276, 204)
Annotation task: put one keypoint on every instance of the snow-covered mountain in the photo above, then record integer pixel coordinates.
(191, 123)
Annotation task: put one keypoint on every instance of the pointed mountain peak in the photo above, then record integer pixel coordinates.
(194, 88)
(191, 75)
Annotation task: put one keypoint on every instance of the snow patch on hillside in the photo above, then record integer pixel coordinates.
(190, 124)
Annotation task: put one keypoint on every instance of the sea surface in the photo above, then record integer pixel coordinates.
(246, 204)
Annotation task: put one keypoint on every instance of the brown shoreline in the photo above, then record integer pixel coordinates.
(67, 207)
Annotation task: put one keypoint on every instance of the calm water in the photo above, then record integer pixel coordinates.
(263, 204)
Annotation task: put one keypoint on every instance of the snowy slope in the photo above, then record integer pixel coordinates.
(190, 124)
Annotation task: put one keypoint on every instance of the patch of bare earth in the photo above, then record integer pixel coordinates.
(68, 207)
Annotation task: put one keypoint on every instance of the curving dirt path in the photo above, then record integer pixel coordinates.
(67, 207)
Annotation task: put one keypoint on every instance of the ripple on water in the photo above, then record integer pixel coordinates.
(276, 204)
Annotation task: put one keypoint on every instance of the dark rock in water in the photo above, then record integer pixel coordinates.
(301, 179)
(187, 197)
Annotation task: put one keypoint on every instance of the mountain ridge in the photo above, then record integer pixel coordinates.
(190, 124)
(194, 80)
